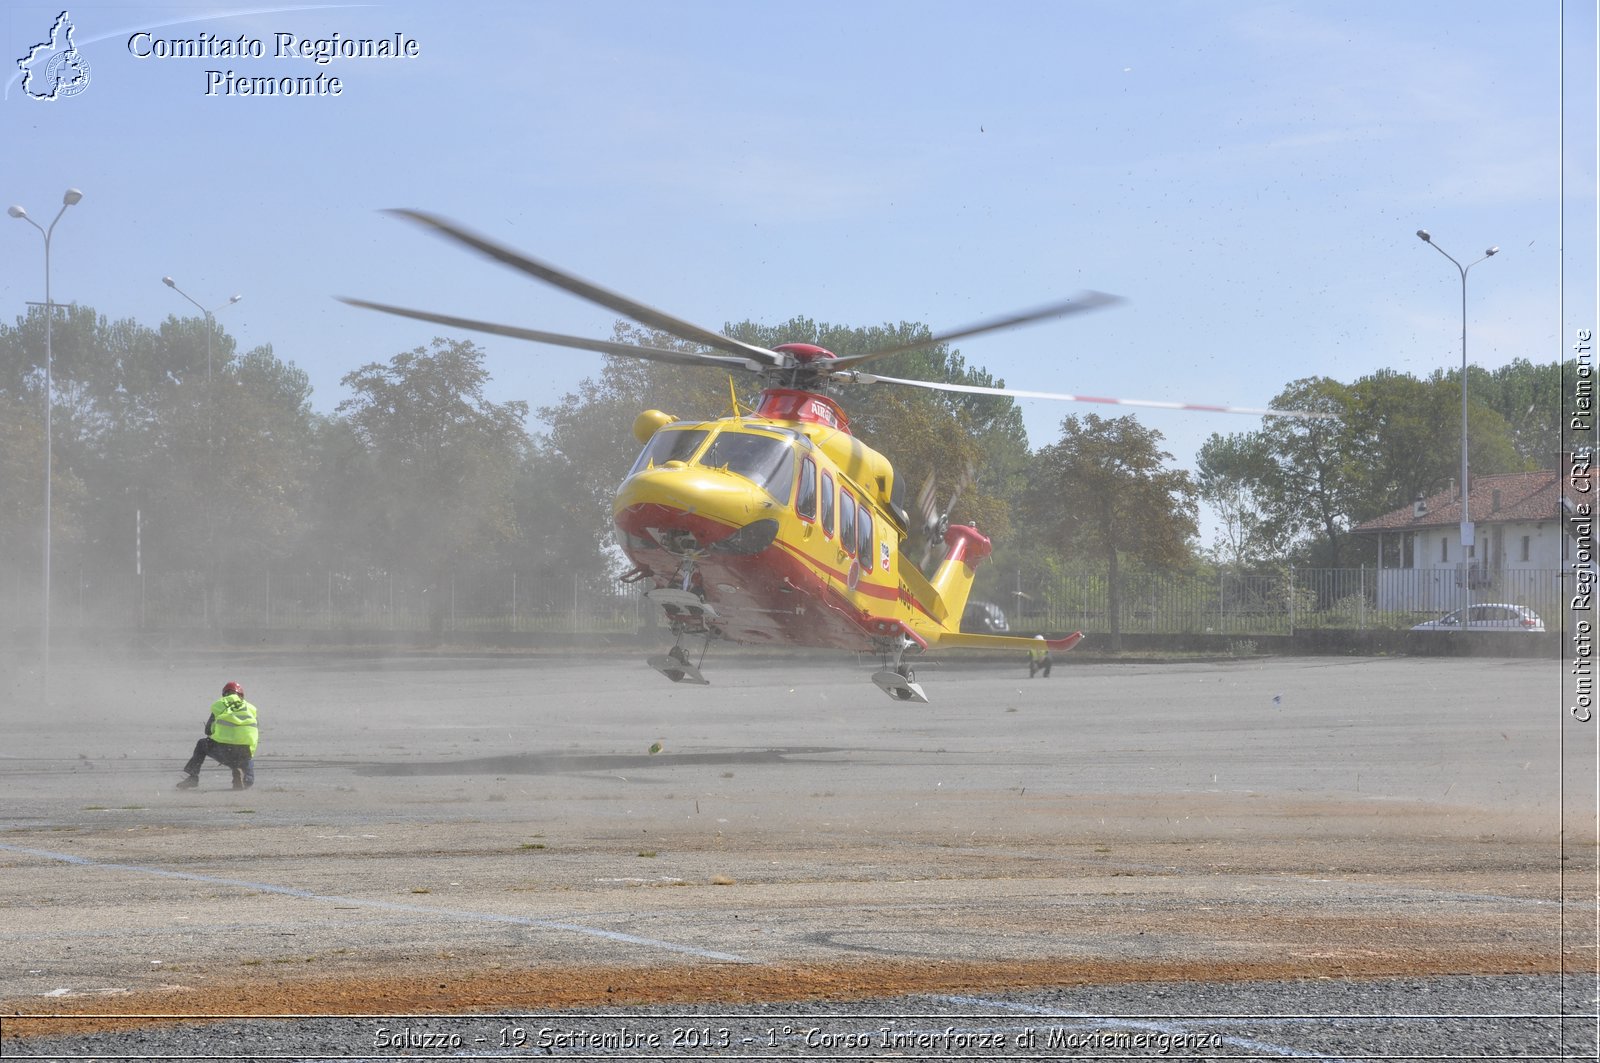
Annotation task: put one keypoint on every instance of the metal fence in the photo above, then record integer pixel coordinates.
(368, 603)
(353, 603)
(1225, 603)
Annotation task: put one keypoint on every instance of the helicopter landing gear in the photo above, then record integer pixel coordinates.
(896, 678)
(681, 605)
(674, 664)
(688, 614)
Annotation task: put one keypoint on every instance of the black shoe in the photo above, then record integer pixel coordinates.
(189, 782)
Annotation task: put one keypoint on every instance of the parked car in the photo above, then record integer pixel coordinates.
(1493, 616)
(984, 618)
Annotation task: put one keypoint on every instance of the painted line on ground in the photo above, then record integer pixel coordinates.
(390, 906)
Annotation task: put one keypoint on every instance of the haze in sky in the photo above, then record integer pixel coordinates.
(1248, 177)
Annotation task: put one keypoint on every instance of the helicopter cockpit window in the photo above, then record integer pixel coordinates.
(669, 444)
(766, 460)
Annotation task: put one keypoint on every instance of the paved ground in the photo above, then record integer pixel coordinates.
(454, 835)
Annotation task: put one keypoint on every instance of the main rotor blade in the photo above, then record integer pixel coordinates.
(658, 354)
(1076, 305)
(972, 389)
(645, 315)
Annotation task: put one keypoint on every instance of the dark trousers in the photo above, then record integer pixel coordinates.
(227, 755)
(1039, 666)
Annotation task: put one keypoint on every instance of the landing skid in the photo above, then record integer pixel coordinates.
(896, 678)
(688, 614)
(901, 687)
(676, 667)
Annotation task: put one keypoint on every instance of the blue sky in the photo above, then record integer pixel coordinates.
(1249, 177)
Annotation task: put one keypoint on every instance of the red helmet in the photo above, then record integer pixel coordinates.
(232, 688)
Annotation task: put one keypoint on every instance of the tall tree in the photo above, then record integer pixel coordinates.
(1388, 438)
(443, 460)
(1233, 476)
(1298, 470)
(138, 425)
(1104, 489)
(1405, 437)
(570, 475)
(1528, 396)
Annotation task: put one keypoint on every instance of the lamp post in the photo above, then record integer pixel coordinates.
(210, 457)
(69, 198)
(211, 317)
(1467, 536)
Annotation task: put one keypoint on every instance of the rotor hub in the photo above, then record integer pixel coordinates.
(806, 353)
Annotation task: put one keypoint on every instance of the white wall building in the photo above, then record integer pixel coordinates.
(1520, 555)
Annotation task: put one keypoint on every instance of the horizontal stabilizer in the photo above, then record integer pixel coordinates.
(962, 641)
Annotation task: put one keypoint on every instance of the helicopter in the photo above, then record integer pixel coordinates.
(779, 527)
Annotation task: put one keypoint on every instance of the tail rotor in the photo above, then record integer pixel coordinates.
(931, 523)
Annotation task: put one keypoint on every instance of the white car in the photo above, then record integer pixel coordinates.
(1494, 616)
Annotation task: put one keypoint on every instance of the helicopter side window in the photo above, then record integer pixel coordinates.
(864, 537)
(805, 499)
(669, 444)
(827, 504)
(847, 522)
(767, 461)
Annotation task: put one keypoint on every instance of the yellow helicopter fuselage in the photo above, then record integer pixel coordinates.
(788, 530)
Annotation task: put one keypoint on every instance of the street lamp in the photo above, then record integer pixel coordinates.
(69, 198)
(1467, 536)
(210, 317)
(210, 457)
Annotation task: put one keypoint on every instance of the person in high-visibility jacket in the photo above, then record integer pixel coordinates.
(1039, 658)
(231, 737)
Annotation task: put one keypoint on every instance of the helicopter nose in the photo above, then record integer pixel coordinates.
(711, 504)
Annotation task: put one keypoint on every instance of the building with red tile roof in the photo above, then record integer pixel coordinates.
(1527, 528)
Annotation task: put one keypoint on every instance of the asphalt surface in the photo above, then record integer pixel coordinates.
(1279, 858)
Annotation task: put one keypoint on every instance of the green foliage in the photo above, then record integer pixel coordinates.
(1293, 488)
(440, 458)
(1103, 490)
(567, 484)
(1529, 397)
(215, 466)
(418, 470)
